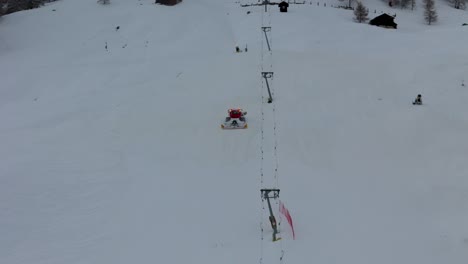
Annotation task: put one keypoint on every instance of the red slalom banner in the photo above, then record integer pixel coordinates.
(286, 214)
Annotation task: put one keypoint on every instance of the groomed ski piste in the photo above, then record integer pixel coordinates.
(112, 151)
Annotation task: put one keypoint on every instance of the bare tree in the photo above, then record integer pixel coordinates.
(413, 4)
(10, 6)
(34, 3)
(459, 4)
(15, 5)
(430, 14)
(405, 3)
(360, 12)
(3, 7)
(104, 2)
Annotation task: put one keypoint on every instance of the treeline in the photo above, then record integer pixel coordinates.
(403, 4)
(11, 6)
(458, 4)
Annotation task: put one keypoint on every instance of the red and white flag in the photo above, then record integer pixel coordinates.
(286, 214)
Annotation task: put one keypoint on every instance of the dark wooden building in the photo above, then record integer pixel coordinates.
(168, 2)
(283, 6)
(384, 20)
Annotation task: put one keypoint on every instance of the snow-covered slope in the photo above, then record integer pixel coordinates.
(115, 155)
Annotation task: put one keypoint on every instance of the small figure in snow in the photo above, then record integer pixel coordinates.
(238, 49)
(117, 28)
(418, 100)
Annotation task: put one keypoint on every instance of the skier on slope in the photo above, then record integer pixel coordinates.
(418, 100)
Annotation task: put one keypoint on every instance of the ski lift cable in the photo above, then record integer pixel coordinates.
(262, 213)
(275, 135)
(269, 53)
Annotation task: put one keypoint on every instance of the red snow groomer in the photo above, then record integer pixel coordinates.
(235, 120)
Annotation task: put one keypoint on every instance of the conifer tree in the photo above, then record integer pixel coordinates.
(104, 2)
(430, 14)
(360, 12)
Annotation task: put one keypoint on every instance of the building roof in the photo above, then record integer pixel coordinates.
(386, 16)
(383, 20)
